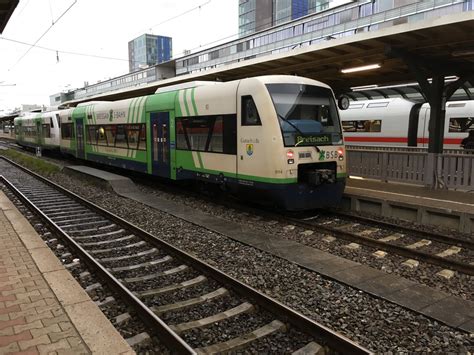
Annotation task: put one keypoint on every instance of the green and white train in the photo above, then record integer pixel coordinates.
(274, 138)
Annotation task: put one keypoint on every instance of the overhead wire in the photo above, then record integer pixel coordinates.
(63, 51)
(44, 34)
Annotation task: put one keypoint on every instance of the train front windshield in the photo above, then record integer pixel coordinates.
(307, 114)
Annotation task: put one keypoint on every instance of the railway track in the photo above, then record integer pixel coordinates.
(434, 248)
(180, 298)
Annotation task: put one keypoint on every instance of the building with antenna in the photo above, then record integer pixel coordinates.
(148, 50)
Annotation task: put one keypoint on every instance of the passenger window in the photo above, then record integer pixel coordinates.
(46, 131)
(92, 136)
(102, 139)
(121, 137)
(250, 116)
(142, 144)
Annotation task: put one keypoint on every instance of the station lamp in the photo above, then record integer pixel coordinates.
(362, 68)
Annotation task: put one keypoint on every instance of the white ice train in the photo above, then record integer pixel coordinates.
(400, 122)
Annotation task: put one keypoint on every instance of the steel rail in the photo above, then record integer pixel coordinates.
(441, 238)
(333, 339)
(398, 249)
(168, 336)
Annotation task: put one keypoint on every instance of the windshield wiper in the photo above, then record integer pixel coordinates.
(296, 129)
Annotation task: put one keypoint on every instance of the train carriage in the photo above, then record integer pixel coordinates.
(277, 136)
(400, 122)
(38, 130)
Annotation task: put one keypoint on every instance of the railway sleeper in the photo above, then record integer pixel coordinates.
(108, 301)
(67, 211)
(64, 218)
(122, 319)
(47, 206)
(172, 271)
(85, 231)
(205, 322)
(96, 221)
(48, 201)
(111, 241)
(310, 349)
(244, 340)
(220, 292)
(124, 257)
(101, 235)
(142, 265)
(175, 287)
(141, 338)
(125, 247)
(93, 223)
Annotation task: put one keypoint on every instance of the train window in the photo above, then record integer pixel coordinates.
(217, 134)
(133, 132)
(92, 135)
(121, 137)
(58, 118)
(110, 135)
(142, 140)
(377, 104)
(250, 116)
(51, 122)
(67, 131)
(215, 137)
(461, 124)
(46, 131)
(101, 137)
(373, 126)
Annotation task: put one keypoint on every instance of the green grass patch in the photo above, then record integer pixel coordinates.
(35, 164)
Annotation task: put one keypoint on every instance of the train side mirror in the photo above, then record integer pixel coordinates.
(343, 102)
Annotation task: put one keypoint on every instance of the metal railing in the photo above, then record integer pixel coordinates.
(454, 169)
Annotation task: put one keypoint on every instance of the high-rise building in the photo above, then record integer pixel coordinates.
(148, 50)
(258, 15)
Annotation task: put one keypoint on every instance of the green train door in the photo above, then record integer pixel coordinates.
(39, 132)
(160, 143)
(80, 138)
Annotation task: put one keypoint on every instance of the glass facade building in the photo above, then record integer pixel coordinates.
(148, 50)
(258, 15)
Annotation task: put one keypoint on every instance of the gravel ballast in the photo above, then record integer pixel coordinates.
(374, 323)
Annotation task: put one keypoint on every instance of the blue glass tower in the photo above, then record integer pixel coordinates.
(148, 50)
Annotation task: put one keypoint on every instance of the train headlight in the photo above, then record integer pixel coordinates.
(290, 154)
(340, 153)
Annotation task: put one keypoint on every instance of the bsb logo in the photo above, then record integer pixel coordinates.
(249, 149)
(322, 155)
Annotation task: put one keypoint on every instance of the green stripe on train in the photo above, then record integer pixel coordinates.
(184, 159)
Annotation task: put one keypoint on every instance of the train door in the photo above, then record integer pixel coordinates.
(39, 132)
(423, 133)
(80, 138)
(160, 146)
(250, 161)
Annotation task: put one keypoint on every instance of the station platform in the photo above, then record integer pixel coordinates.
(43, 310)
(443, 208)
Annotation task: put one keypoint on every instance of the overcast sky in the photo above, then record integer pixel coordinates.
(101, 28)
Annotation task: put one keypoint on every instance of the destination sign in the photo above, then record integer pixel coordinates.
(313, 140)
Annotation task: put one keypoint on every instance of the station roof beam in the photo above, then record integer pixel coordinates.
(6, 10)
(430, 74)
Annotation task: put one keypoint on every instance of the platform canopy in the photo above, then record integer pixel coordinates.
(447, 42)
(6, 10)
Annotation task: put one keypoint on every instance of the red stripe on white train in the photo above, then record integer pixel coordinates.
(451, 141)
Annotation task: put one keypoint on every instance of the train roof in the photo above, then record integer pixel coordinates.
(264, 79)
